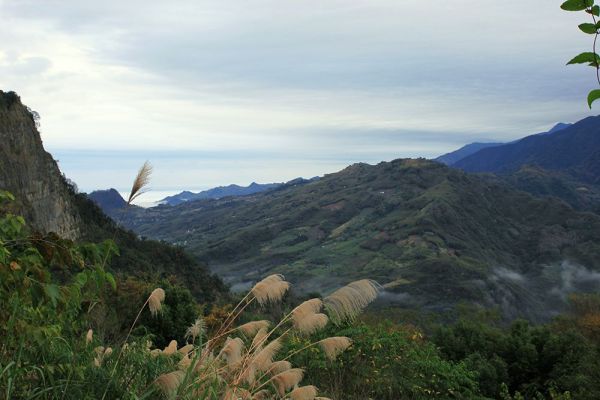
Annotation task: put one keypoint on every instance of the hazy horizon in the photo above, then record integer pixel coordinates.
(223, 92)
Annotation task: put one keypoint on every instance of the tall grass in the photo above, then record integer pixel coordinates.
(47, 349)
(244, 361)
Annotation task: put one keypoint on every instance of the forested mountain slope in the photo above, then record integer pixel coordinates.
(433, 235)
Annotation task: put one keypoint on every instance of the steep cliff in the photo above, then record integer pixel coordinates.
(49, 204)
(31, 174)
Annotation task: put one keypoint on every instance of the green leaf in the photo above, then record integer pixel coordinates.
(593, 96)
(595, 11)
(585, 58)
(81, 279)
(111, 280)
(588, 28)
(575, 5)
(52, 292)
(6, 196)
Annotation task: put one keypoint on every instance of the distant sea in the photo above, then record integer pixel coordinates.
(153, 197)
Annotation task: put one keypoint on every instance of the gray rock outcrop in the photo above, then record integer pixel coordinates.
(31, 174)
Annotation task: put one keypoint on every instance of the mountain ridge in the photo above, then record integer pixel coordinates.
(574, 150)
(455, 156)
(219, 192)
(403, 223)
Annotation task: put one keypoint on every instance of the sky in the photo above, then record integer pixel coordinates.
(236, 91)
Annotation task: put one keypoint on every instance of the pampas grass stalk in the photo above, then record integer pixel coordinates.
(253, 327)
(170, 382)
(270, 289)
(140, 182)
(198, 329)
(333, 346)
(245, 366)
(157, 294)
(89, 336)
(346, 303)
(286, 380)
(155, 300)
(303, 393)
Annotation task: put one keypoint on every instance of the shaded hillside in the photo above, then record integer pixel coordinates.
(544, 183)
(465, 151)
(147, 259)
(574, 150)
(51, 204)
(472, 148)
(432, 234)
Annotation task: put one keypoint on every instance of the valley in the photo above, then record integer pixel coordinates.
(432, 235)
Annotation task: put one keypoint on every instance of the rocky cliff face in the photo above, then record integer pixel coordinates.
(31, 174)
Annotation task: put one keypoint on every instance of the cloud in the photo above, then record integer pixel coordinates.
(540, 293)
(380, 78)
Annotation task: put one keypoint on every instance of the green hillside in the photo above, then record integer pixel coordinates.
(431, 234)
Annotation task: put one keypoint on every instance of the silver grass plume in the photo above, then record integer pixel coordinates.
(140, 182)
(347, 302)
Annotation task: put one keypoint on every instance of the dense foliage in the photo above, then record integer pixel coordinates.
(53, 291)
(388, 362)
(149, 260)
(536, 362)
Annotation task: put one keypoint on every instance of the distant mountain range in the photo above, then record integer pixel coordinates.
(574, 151)
(219, 192)
(111, 201)
(558, 163)
(472, 148)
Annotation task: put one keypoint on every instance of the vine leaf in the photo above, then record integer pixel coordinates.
(588, 28)
(576, 5)
(593, 96)
(585, 58)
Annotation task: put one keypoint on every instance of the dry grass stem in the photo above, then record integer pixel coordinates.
(260, 338)
(308, 307)
(232, 351)
(303, 393)
(252, 328)
(89, 336)
(169, 383)
(198, 329)
(264, 358)
(279, 366)
(270, 289)
(333, 346)
(286, 380)
(187, 349)
(171, 348)
(185, 362)
(155, 300)
(351, 300)
(261, 395)
(311, 323)
(141, 181)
